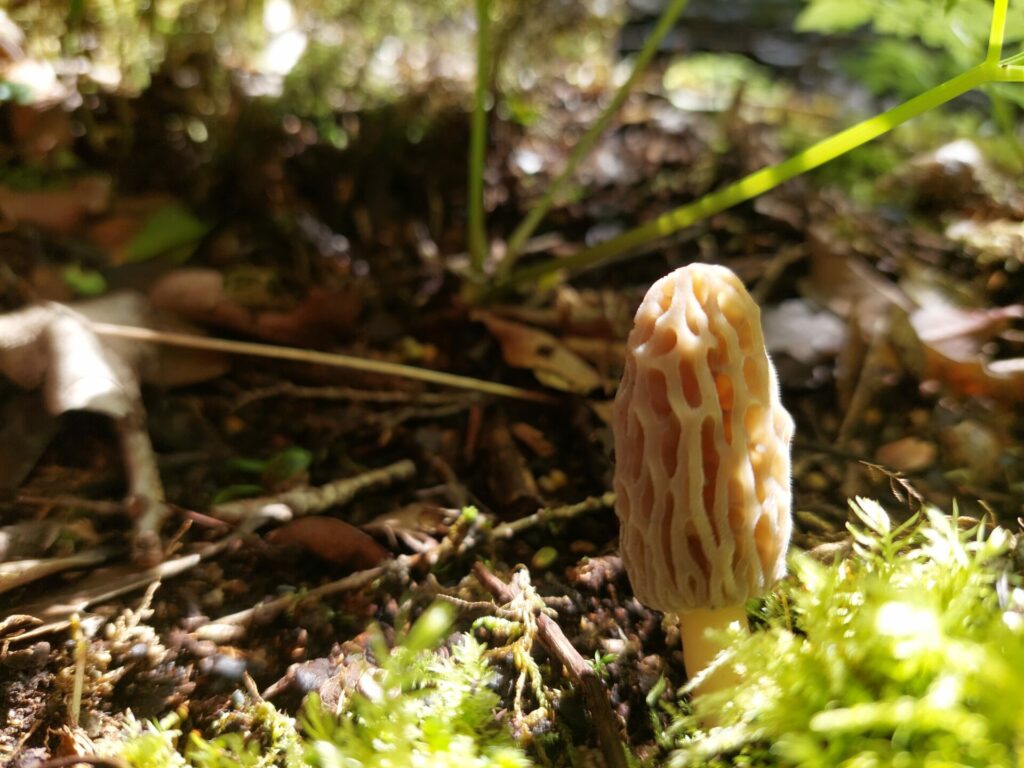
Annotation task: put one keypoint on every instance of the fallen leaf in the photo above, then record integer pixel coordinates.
(201, 296)
(551, 362)
(333, 540)
(172, 231)
(848, 285)
(415, 525)
(54, 347)
(51, 346)
(61, 209)
(533, 439)
(945, 343)
(802, 332)
(908, 454)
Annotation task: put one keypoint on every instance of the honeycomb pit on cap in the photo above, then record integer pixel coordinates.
(702, 473)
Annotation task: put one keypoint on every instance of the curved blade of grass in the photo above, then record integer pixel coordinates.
(477, 228)
(593, 133)
(768, 178)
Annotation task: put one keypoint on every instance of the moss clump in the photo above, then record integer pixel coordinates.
(420, 707)
(911, 653)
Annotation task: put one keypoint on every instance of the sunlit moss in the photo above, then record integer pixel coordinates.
(910, 653)
(420, 707)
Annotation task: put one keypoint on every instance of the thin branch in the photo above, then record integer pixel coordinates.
(317, 357)
(595, 696)
(547, 514)
(311, 499)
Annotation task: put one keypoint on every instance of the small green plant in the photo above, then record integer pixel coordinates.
(994, 69)
(909, 653)
(420, 706)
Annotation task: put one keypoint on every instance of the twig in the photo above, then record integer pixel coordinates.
(317, 357)
(145, 499)
(353, 394)
(56, 608)
(81, 652)
(233, 626)
(15, 573)
(94, 760)
(595, 695)
(547, 514)
(307, 500)
(96, 506)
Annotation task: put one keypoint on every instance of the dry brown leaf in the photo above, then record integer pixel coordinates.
(201, 295)
(848, 285)
(533, 438)
(414, 525)
(53, 347)
(908, 454)
(802, 331)
(62, 209)
(551, 362)
(333, 540)
(945, 343)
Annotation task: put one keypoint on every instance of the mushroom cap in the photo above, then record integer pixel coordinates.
(702, 474)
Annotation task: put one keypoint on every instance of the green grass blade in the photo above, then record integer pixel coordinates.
(766, 179)
(593, 133)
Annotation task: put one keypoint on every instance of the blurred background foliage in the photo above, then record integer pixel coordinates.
(917, 43)
(318, 57)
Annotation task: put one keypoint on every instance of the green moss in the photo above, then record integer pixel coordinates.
(421, 706)
(910, 653)
(421, 709)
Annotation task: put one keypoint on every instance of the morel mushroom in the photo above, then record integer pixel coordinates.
(702, 476)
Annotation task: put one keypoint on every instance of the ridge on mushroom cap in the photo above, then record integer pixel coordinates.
(702, 474)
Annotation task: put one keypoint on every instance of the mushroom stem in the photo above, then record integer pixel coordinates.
(699, 649)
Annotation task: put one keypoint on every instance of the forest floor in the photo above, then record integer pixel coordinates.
(889, 288)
